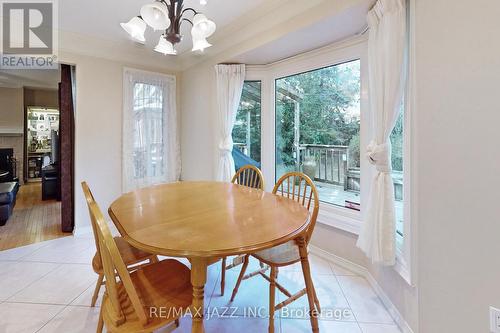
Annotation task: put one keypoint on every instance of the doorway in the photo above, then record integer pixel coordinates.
(36, 155)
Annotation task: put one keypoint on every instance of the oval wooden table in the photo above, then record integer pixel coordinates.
(206, 220)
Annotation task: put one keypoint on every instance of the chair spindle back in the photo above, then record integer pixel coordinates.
(249, 176)
(299, 187)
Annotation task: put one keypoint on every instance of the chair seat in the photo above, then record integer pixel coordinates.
(164, 285)
(130, 254)
(281, 255)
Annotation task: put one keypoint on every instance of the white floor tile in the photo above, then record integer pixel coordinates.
(319, 266)
(65, 250)
(86, 297)
(73, 319)
(333, 304)
(15, 276)
(19, 252)
(212, 287)
(339, 270)
(49, 273)
(379, 328)
(26, 318)
(304, 326)
(227, 325)
(61, 286)
(253, 294)
(365, 304)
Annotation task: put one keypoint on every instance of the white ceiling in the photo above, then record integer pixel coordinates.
(36, 78)
(333, 29)
(101, 19)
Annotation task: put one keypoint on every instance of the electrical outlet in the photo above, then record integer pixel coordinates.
(494, 320)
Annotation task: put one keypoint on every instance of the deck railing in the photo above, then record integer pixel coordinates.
(332, 166)
(331, 162)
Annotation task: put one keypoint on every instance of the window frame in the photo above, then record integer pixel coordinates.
(331, 215)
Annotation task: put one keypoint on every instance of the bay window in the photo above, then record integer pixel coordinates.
(316, 119)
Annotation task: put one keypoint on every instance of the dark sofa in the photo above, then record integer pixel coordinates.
(8, 193)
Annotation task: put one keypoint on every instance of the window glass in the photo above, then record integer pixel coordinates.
(247, 129)
(317, 130)
(148, 131)
(397, 143)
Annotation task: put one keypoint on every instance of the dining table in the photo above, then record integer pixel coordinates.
(203, 221)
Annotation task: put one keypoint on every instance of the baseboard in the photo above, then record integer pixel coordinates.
(362, 271)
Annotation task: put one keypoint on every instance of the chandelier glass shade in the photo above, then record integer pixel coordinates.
(165, 47)
(169, 15)
(135, 28)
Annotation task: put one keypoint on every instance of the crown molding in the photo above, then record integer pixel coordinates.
(124, 51)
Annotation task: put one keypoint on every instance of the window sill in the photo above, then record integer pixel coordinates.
(401, 267)
(340, 218)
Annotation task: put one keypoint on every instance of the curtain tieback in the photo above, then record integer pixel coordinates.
(380, 156)
(226, 145)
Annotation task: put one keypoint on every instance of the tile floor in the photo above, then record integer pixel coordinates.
(47, 287)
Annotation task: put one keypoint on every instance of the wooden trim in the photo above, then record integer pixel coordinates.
(67, 150)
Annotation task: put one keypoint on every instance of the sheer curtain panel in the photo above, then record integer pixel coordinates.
(230, 79)
(151, 153)
(387, 76)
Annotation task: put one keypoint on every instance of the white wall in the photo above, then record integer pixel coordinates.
(458, 156)
(198, 121)
(11, 110)
(98, 130)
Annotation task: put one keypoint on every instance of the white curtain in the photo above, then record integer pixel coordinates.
(230, 80)
(150, 152)
(387, 76)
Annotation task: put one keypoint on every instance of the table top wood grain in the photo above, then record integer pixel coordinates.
(206, 219)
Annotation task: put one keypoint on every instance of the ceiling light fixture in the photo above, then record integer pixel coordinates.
(169, 15)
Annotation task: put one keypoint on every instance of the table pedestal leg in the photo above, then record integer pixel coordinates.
(198, 280)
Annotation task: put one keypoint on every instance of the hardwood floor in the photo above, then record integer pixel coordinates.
(33, 220)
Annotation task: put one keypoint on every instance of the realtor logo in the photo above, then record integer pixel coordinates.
(29, 34)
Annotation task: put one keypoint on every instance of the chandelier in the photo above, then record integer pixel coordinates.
(168, 16)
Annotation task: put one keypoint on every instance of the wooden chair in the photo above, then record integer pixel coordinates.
(299, 187)
(144, 300)
(249, 176)
(133, 258)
